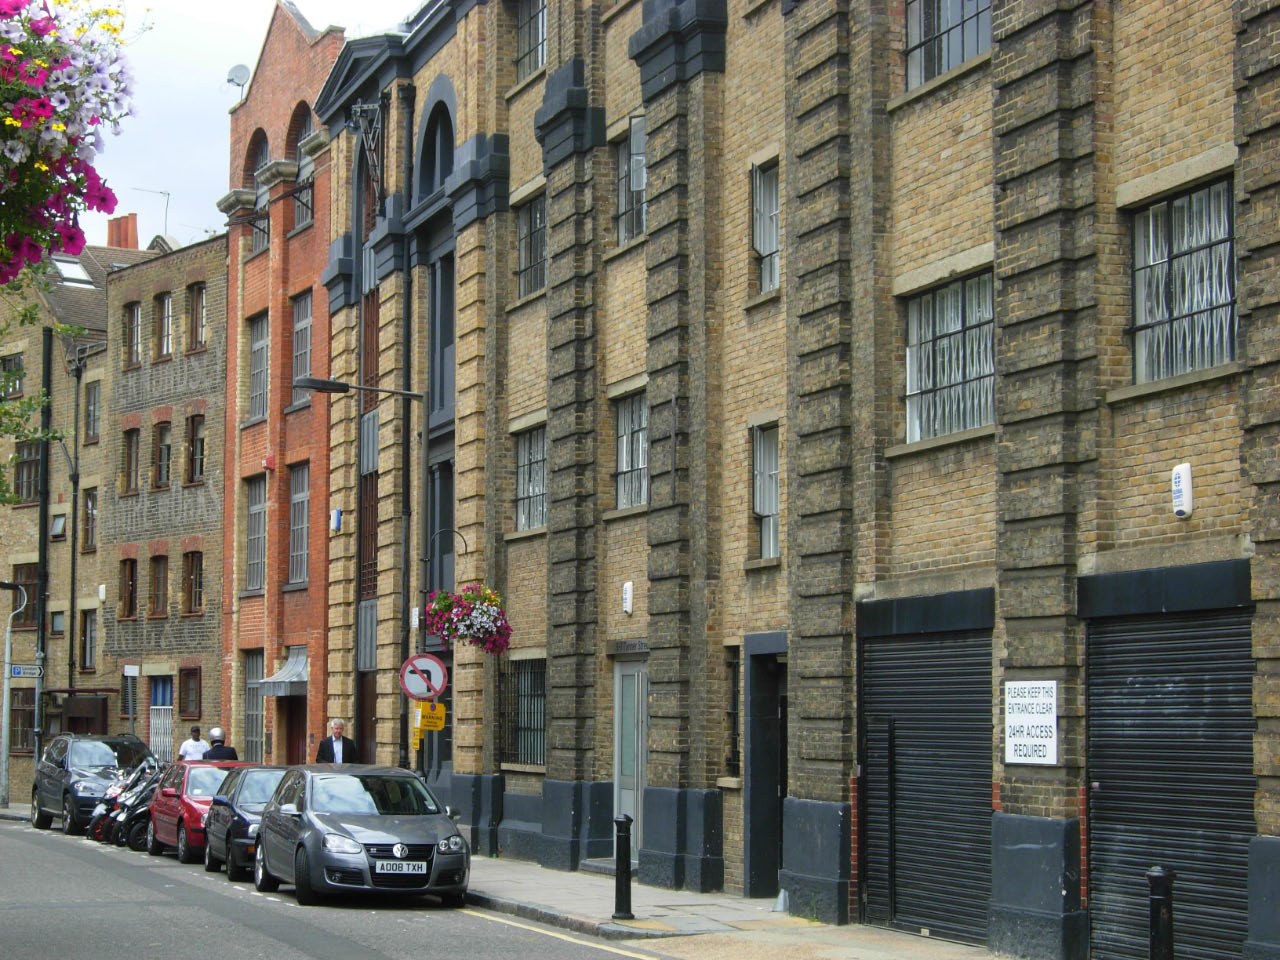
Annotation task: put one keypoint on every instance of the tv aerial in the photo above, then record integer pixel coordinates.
(239, 75)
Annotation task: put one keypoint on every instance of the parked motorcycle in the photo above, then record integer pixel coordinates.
(100, 822)
(132, 818)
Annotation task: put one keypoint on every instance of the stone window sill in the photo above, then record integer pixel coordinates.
(524, 767)
(624, 248)
(194, 351)
(933, 443)
(1140, 391)
(524, 84)
(623, 512)
(525, 534)
(763, 563)
(256, 253)
(729, 783)
(955, 73)
(527, 299)
(761, 299)
(191, 614)
(256, 592)
(300, 405)
(754, 7)
(300, 228)
(294, 587)
(252, 422)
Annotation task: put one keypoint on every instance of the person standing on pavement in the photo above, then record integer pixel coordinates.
(337, 748)
(220, 750)
(193, 748)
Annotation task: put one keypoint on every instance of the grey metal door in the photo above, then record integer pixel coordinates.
(630, 742)
(1170, 766)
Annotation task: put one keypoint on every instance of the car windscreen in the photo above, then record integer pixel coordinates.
(204, 781)
(257, 787)
(107, 753)
(371, 794)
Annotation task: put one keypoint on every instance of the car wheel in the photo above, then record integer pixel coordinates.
(138, 836)
(154, 846)
(211, 863)
(185, 853)
(453, 900)
(263, 881)
(235, 872)
(39, 819)
(69, 825)
(302, 889)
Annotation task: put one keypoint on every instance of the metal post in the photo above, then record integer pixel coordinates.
(1161, 881)
(622, 869)
(42, 566)
(8, 675)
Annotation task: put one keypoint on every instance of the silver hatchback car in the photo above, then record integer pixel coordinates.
(350, 827)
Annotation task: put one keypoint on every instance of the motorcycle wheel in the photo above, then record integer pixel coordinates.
(118, 836)
(138, 836)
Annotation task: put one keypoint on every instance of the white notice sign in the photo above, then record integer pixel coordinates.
(1031, 721)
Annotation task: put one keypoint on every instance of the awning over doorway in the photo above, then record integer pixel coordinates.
(291, 679)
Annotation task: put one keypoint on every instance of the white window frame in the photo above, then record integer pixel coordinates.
(299, 521)
(631, 414)
(531, 478)
(259, 342)
(765, 488)
(255, 552)
(765, 236)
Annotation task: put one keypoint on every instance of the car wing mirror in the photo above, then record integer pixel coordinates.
(220, 801)
(451, 813)
(288, 809)
(168, 792)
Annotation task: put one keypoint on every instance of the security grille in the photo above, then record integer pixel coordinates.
(253, 662)
(522, 705)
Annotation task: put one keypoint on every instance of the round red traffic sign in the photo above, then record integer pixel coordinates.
(423, 677)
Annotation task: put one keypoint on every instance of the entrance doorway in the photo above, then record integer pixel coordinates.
(366, 722)
(630, 742)
(765, 781)
(295, 730)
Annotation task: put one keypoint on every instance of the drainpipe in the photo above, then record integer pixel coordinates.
(42, 564)
(77, 368)
(405, 97)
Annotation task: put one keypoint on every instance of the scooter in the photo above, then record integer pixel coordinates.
(101, 823)
(132, 819)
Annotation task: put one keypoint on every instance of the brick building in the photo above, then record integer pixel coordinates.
(75, 691)
(803, 374)
(275, 602)
(159, 494)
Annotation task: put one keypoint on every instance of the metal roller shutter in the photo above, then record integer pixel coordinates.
(1170, 764)
(926, 706)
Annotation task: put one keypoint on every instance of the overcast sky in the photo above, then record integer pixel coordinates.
(178, 140)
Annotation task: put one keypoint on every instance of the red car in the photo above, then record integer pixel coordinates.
(179, 806)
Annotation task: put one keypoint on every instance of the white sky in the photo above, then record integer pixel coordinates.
(178, 140)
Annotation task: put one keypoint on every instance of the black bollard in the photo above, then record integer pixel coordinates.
(1161, 881)
(622, 869)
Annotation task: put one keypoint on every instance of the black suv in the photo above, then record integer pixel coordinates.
(74, 773)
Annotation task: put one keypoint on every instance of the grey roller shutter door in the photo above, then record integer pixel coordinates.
(1170, 749)
(926, 709)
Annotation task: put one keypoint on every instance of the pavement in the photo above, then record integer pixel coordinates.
(715, 924)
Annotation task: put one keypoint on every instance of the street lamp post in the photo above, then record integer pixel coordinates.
(8, 675)
(323, 385)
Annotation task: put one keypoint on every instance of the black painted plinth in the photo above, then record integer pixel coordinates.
(1263, 942)
(1035, 888)
(815, 859)
(683, 839)
(577, 822)
(478, 797)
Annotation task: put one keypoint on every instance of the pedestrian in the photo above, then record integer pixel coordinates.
(337, 748)
(220, 750)
(193, 748)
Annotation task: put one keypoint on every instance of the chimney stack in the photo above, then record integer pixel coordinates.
(123, 232)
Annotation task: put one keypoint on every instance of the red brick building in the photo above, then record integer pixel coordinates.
(275, 596)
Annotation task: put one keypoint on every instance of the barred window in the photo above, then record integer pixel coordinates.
(90, 522)
(195, 448)
(128, 696)
(11, 375)
(299, 511)
(92, 410)
(632, 179)
(765, 497)
(522, 700)
(304, 191)
(132, 334)
(260, 237)
(24, 575)
(158, 605)
(128, 588)
(950, 359)
(255, 568)
(258, 366)
(161, 455)
(192, 582)
(132, 444)
(942, 34)
(633, 451)
(1184, 315)
(88, 639)
(22, 720)
(531, 37)
(531, 479)
(764, 225)
(198, 320)
(531, 239)
(26, 471)
(164, 325)
(301, 343)
(189, 692)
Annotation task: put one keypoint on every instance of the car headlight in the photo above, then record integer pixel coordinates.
(86, 788)
(336, 843)
(253, 829)
(453, 844)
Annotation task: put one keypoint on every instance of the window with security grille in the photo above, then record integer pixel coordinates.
(258, 367)
(89, 523)
(531, 245)
(632, 476)
(632, 179)
(24, 575)
(128, 696)
(260, 236)
(22, 720)
(26, 471)
(950, 359)
(531, 37)
(189, 692)
(197, 317)
(531, 479)
(128, 588)
(1184, 284)
(11, 375)
(192, 582)
(255, 568)
(766, 501)
(132, 445)
(195, 448)
(942, 34)
(522, 698)
(161, 455)
(159, 600)
(301, 343)
(253, 706)
(92, 410)
(88, 639)
(304, 190)
(764, 226)
(299, 512)
(132, 334)
(163, 313)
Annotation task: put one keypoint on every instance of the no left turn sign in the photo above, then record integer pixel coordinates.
(423, 677)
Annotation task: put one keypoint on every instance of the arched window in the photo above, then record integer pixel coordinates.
(300, 127)
(438, 155)
(259, 157)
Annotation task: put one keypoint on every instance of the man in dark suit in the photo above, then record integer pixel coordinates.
(220, 750)
(337, 748)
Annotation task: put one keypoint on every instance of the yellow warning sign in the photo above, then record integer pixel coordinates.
(432, 715)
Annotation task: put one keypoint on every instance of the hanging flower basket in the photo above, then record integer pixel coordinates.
(474, 615)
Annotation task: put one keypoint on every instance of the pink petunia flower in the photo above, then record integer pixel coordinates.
(44, 26)
(32, 74)
(70, 238)
(100, 198)
(11, 8)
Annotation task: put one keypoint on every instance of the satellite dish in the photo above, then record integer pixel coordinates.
(239, 75)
